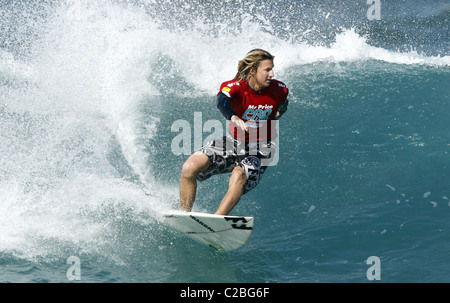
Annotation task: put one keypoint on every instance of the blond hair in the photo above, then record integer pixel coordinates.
(251, 60)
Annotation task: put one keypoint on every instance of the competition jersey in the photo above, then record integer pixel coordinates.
(256, 108)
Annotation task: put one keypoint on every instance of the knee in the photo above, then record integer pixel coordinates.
(193, 166)
(238, 176)
(189, 170)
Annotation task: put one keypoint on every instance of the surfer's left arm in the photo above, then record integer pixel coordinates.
(282, 109)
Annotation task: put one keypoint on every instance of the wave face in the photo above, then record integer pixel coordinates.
(89, 91)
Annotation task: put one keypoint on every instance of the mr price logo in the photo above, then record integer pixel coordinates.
(258, 113)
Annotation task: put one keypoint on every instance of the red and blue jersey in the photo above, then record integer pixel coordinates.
(257, 108)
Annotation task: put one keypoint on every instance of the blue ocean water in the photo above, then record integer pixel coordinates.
(90, 90)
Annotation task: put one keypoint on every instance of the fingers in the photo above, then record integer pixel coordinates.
(241, 124)
(238, 122)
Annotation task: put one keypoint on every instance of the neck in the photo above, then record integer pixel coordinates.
(254, 85)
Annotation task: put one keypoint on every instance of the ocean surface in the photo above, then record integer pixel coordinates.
(90, 92)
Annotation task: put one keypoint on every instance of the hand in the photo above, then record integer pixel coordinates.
(238, 122)
(278, 115)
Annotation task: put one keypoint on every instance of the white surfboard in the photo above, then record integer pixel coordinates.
(223, 233)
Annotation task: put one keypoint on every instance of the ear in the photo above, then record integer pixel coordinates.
(252, 71)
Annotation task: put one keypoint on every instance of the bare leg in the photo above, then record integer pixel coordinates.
(234, 193)
(194, 165)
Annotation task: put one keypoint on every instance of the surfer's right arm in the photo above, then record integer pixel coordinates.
(224, 105)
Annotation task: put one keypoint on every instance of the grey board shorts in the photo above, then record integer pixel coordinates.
(226, 153)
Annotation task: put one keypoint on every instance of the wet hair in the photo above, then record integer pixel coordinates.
(251, 60)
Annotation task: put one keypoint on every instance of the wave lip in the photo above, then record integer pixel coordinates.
(349, 46)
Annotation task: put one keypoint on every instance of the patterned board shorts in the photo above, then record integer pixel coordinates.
(226, 153)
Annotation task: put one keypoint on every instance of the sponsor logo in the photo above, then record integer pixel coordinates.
(239, 223)
(202, 224)
(258, 113)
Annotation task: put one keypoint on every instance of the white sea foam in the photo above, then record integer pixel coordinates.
(79, 92)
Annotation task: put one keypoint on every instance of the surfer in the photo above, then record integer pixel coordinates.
(251, 103)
